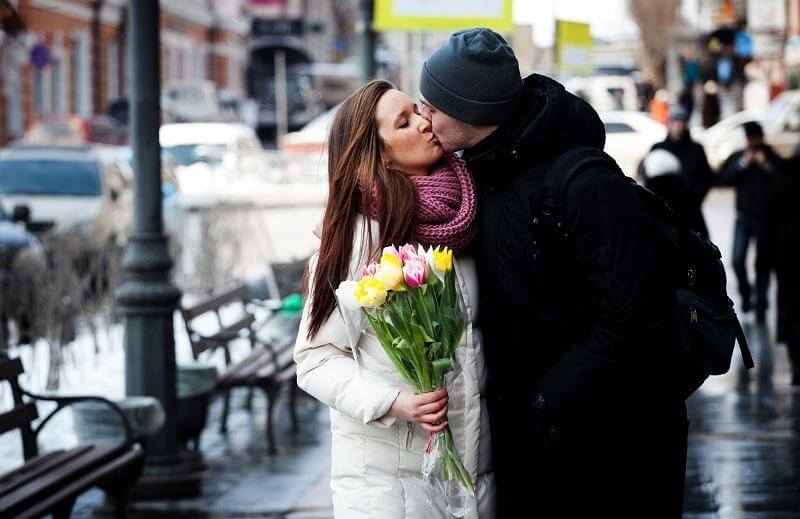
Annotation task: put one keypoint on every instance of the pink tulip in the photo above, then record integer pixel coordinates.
(392, 250)
(409, 252)
(369, 270)
(415, 272)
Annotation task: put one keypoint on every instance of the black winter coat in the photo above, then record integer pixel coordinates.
(694, 164)
(781, 242)
(583, 323)
(751, 182)
(672, 188)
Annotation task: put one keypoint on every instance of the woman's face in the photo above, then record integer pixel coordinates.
(408, 142)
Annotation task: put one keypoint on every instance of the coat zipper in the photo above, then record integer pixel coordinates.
(409, 432)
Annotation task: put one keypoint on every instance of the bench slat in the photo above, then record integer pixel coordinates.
(223, 336)
(239, 373)
(83, 483)
(37, 467)
(19, 416)
(10, 368)
(216, 300)
(49, 482)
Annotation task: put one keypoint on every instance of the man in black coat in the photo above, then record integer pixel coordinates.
(586, 418)
(781, 246)
(749, 171)
(695, 170)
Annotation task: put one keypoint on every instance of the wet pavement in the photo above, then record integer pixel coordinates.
(743, 462)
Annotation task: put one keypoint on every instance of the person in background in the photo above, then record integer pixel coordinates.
(711, 108)
(781, 246)
(695, 170)
(659, 106)
(661, 173)
(749, 171)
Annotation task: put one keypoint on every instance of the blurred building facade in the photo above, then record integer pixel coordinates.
(71, 56)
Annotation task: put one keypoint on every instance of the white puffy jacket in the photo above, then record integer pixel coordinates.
(376, 459)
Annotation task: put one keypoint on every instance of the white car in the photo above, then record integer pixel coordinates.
(210, 155)
(605, 93)
(629, 137)
(311, 138)
(79, 188)
(781, 124)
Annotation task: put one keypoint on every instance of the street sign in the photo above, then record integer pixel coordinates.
(442, 15)
(574, 46)
(40, 56)
(766, 15)
(277, 27)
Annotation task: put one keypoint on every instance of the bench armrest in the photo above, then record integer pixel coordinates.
(63, 402)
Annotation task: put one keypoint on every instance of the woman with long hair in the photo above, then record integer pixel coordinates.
(390, 183)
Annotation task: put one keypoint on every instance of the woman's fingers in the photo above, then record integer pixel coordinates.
(433, 428)
(432, 407)
(434, 418)
(433, 396)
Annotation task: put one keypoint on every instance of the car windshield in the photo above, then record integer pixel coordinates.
(188, 154)
(49, 177)
(777, 106)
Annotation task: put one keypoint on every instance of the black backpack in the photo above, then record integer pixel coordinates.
(707, 326)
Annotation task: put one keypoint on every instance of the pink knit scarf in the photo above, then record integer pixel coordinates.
(446, 205)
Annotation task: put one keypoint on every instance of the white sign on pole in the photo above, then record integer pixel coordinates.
(766, 15)
(457, 8)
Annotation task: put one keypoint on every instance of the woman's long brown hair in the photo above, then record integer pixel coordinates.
(355, 165)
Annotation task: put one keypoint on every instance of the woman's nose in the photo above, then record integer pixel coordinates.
(424, 125)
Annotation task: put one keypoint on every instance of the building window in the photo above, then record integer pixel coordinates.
(200, 63)
(58, 94)
(38, 91)
(81, 79)
(112, 72)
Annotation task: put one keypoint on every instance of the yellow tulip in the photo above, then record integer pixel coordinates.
(391, 258)
(443, 259)
(370, 292)
(390, 274)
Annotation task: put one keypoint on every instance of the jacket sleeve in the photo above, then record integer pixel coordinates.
(730, 171)
(705, 175)
(612, 235)
(326, 370)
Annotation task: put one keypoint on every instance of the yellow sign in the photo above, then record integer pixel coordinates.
(574, 47)
(442, 15)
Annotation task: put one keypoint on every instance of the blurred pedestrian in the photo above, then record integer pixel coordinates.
(661, 173)
(659, 106)
(695, 169)
(749, 171)
(781, 245)
(711, 108)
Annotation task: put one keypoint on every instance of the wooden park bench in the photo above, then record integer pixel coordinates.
(50, 483)
(269, 365)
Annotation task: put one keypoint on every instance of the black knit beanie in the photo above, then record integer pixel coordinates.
(473, 77)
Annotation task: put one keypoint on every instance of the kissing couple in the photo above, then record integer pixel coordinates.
(566, 402)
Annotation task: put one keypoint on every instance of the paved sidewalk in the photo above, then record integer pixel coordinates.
(242, 479)
(744, 444)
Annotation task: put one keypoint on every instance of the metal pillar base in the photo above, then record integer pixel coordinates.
(168, 477)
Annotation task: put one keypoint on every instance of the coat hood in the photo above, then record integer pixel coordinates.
(548, 121)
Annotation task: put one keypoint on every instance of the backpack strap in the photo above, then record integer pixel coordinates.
(563, 171)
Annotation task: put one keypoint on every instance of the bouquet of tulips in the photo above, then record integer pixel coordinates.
(411, 301)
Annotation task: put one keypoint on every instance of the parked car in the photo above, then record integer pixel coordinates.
(190, 101)
(74, 130)
(17, 244)
(605, 93)
(629, 136)
(781, 124)
(221, 151)
(13, 239)
(76, 188)
(311, 138)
